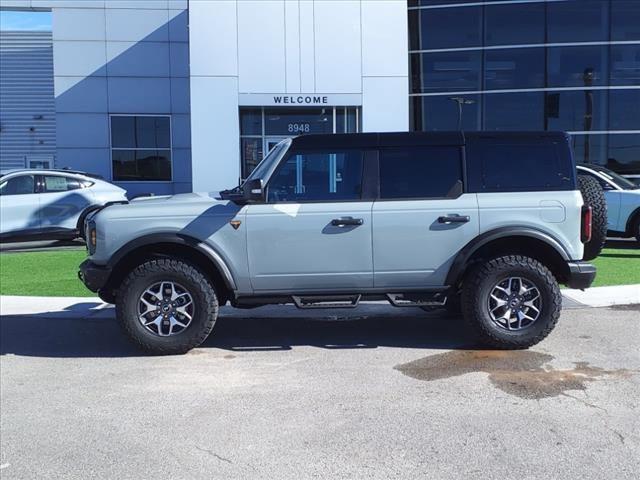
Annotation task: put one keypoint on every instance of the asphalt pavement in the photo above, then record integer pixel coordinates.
(374, 392)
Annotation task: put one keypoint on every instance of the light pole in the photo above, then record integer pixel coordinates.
(461, 101)
(587, 77)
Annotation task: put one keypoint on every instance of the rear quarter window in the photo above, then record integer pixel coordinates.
(417, 172)
(497, 166)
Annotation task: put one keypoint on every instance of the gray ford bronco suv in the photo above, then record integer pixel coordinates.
(489, 223)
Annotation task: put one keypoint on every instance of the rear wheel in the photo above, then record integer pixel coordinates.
(636, 227)
(511, 302)
(167, 306)
(593, 196)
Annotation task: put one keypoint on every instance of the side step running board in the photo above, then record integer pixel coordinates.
(326, 301)
(417, 299)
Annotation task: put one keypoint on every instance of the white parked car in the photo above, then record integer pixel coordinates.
(623, 200)
(50, 204)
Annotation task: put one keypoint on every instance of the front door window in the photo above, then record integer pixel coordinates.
(318, 176)
(262, 128)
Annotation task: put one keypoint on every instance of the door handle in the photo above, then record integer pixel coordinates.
(454, 218)
(346, 222)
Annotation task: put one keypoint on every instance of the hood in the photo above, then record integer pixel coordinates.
(179, 197)
(179, 205)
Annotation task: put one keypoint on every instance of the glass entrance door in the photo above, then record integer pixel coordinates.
(270, 142)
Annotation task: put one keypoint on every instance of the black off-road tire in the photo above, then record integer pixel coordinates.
(636, 228)
(593, 196)
(198, 285)
(475, 301)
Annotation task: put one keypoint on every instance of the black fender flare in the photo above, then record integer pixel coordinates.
(177, 238)
(83, 216)
(460, 262)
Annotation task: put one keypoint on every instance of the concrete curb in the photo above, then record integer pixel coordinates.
(93, 307)
(605, 296)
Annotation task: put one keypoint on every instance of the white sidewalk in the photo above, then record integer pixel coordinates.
(81, 307)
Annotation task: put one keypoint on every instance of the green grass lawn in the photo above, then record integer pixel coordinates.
(47, 274)
(617, 266)
(55, 273)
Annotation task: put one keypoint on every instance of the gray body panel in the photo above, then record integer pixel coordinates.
(411, 248)
(294, 247)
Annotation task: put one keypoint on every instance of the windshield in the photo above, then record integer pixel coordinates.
(619, 180)
(265, 167)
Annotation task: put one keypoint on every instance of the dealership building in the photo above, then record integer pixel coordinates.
(170, 96)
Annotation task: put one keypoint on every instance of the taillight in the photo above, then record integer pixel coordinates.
(585, 228)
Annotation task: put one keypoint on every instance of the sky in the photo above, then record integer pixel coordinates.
(10, 20)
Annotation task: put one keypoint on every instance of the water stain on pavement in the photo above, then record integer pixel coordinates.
(523, 373)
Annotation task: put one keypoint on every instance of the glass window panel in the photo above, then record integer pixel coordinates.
(20, 185)
(625, 20)
(590, 148)
(318, 176)
(419, 172)
(442, 113)
(123, 132)
(577, 66)
(576, 110)
(152, 132)
(251, 154)
(57, 183)
(298, 121)
(341, 120)
(141, 165)
(448, 28)
(625, 64)
(417, 3)
(624, 154)
(447, 71)
(514, 111)
(250, 121)
(513, 24)
(352, 121)
(140, 132)
(624, 110)
(519, 166)
(578, 20)
(514, 68)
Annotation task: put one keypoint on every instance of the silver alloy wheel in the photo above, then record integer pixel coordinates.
(165, 308)
(514, 303)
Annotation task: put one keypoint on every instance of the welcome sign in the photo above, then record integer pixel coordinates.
(299, 99)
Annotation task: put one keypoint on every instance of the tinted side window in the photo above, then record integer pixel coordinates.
(57, 183)
(419, 171)
(318, 176)
(503, 165)
(21, 185)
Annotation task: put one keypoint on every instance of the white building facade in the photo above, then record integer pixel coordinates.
(306, 58)
(169, 96)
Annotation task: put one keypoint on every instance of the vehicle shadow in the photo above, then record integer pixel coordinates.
(42, 335)
(627, 244)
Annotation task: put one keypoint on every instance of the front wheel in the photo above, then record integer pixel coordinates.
(511, 302)
(167, 306)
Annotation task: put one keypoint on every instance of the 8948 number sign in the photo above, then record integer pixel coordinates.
(299, 128)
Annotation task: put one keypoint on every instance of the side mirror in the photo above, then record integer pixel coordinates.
(253, 191)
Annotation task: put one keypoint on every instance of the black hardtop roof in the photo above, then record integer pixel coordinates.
(373, 140)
